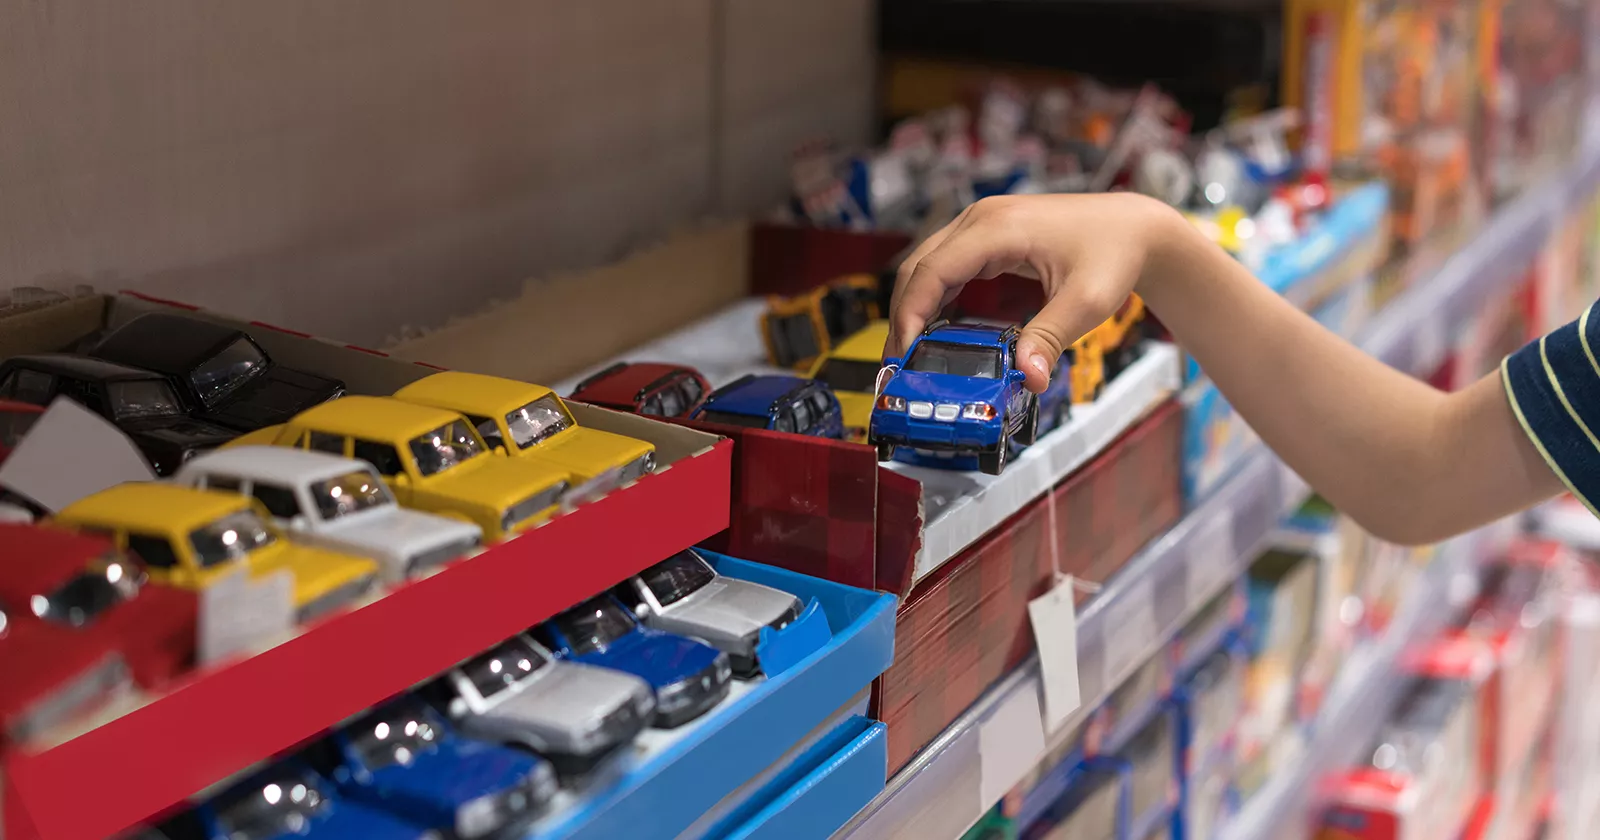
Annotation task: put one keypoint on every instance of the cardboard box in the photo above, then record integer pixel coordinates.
(228, 716)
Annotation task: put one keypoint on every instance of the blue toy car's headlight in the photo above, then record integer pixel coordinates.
(977, 411)
(891, 403)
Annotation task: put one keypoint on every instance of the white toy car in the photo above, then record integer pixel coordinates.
(337, 503)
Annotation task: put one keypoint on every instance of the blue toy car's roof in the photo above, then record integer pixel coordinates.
(754, 395)
(979, 334)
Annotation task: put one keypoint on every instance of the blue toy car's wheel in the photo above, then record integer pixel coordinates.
(993, 461)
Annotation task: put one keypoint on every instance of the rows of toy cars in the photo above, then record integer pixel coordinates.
(488, 745)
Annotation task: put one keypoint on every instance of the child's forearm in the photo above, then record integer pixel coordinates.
(1411, 464)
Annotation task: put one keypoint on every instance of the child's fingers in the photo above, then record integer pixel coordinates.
(1065, 318)
(978, 249)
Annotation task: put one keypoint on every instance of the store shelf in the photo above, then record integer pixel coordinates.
(959, 776)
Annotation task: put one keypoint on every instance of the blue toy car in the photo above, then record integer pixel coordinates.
(957, 390)
(404, 758)
(287, 801)
(689, 677)
(776, 402)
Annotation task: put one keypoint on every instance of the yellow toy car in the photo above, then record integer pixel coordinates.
(851, 370)
(1105, 351)
(799, 328)
(531, 421)
(430, 457)
(189, 538)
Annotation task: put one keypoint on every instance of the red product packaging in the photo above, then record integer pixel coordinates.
(1423, 777)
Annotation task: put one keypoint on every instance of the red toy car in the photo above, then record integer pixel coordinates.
(15, 421)
(76, 620)
(653, 389)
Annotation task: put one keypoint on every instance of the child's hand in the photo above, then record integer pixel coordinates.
(1088, 251)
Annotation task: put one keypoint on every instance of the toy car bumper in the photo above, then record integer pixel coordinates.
(936, 435)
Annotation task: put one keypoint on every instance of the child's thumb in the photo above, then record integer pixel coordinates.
(1061, 322)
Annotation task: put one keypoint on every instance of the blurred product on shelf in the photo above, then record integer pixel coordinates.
(776, 403)
(798, 329)
(850, 367)
(336, 503)
(649, 388)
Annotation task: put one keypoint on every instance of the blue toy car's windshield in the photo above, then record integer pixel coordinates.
(728, 418)
(223, 373)
(592, 626)
(394, 735)
(677, 576)
(503, 666)
(285, 804)
(955, 359)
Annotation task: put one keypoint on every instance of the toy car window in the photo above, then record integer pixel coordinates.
(29, 386)
(593, 625)
(802, 414)
(230, 538)
(324, 442)
(282, 805)
(383, 457)
(692, 390)
(223, 373)
(349, 493)
(671, 402)
(393, 735)
(224, 482)
(849, 375)
(488, 430)
(785, 422)
(820, 405)
(726, 418)
(156, 552)
(444, 447)
(135, 398)
(676, 577)
(652, 406)
(83, 598)
(15, 424)
(538, 420)
(956, 359)
(279, 501)
(503, 666)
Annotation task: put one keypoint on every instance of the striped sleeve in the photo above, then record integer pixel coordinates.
(1553, 385)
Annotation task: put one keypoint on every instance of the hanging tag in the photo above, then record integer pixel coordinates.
(885, 374)
(1054, 616)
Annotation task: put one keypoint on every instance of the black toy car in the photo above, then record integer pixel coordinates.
(220, 373)
(142, 404)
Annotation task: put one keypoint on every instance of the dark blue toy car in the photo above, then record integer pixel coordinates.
(285, 802)
(404, 758)
(958, 390)
(689, 677)
(776, 402)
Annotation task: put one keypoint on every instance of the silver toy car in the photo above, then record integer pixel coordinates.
(336, 503)
(685, 596)
(570, 713)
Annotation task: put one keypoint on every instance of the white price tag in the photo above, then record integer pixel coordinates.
(241, 615)
(1129, 631)
(1213, 558)
(1054, 616)
(1010, 743)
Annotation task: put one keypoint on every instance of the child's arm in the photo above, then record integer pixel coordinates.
(1411, 464)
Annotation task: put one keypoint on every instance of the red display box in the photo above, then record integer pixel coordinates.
(226, 717)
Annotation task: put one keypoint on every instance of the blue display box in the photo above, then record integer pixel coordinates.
(665, 785)
(819, 791)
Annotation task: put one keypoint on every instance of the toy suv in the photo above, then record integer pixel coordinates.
(337, 503)
(776, 402)
(689, 677)
(649, 388)
(530, 421)
(958, 390)
(288, 801)
(684, 595)
(140, 403)
(573, 714)
(431, 458)
(405, 759)
(221, 374)
(191, 538)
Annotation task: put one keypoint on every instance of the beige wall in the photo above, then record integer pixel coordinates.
(349, 166)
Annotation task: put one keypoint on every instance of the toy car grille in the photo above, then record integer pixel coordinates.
(426, 560)
(335, 598)
(72, 698)
(641, 466)
(531, 506)
(620, 718)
